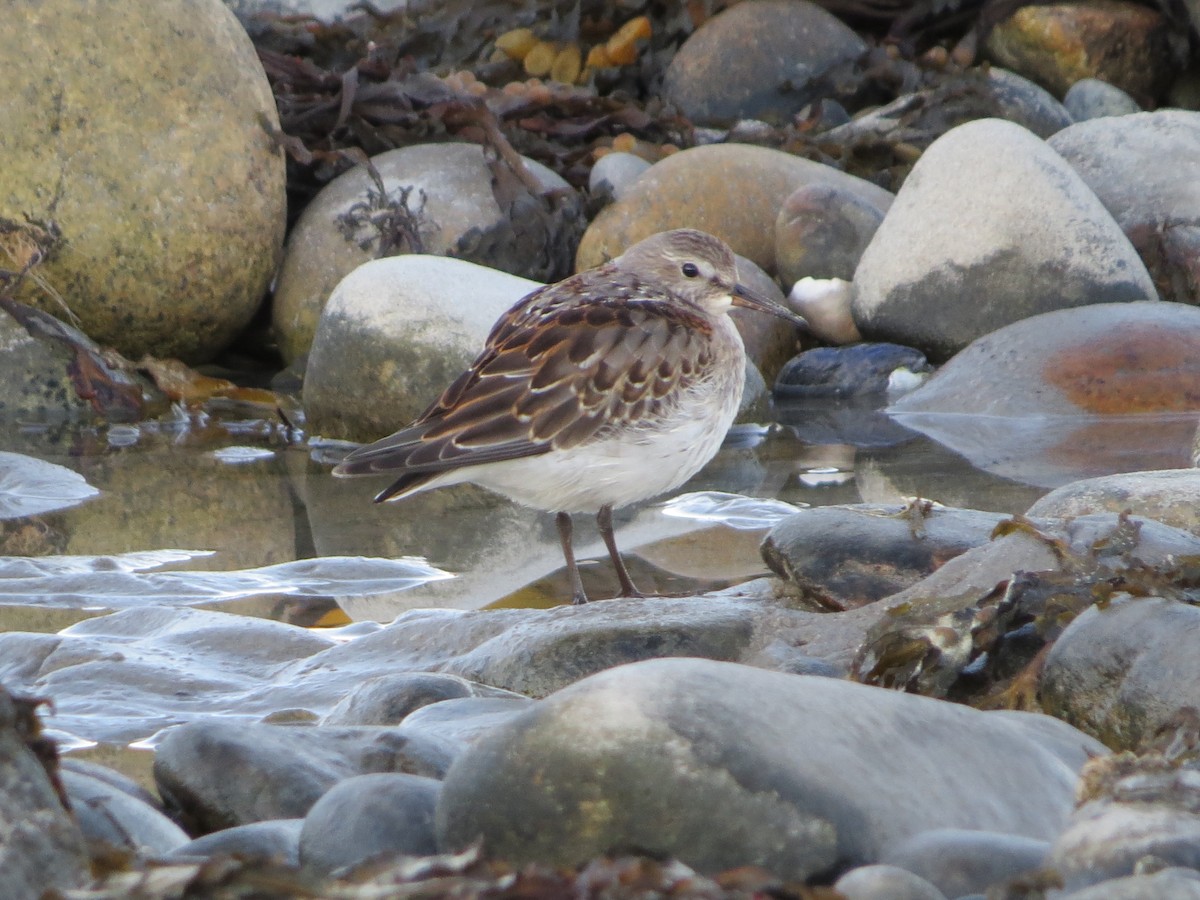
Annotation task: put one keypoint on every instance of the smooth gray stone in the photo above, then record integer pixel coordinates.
(1170, 496)
(723, 765)
(368, 817)
(464, 720)
(847, 556)
(1145, 170)
(958, 861)
(1123, 670)
(714, 81)
(1091, 98)
(884, 882)
(108, 815)
(277, 839)
(219, 774)
(388, 699)
(614, 173)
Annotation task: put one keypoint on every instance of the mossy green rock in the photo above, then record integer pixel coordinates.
(141, 132)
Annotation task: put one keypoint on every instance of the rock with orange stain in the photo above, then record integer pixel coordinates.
(991, 227)
(1106, 359)
(1146, 172)
(1057, 44)
(1070, 394)
(759, 59)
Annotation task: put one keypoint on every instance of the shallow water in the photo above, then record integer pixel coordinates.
(227, 495)
(241, 515)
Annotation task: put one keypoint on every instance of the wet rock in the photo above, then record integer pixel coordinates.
(369, 817)
(535, 652)
(394, 334)
(1119, 359)
(113, 818)
(463, 720)
(171, 209)
(440, 200)
(387, 699)
(156, 666)
(1043, 400)
(1091, 98)
(1123, 670)
(825, 305)
(613, 175)
(821, 232)
(991, 227)
(1171, 497)
(882, 882)
(881, 369)
(1144, 170)
(1135, 814)
(842, 557)
(734, 191)
(1056, 45)
(219, 774)
(722, 765)
(960, 861)
(41, 846)
(763, 59)
(277, 839)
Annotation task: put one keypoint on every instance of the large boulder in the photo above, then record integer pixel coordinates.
(151, 155)
(722, 765)
(992, 226)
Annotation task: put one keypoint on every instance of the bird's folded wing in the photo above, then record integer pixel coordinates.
(552, 377)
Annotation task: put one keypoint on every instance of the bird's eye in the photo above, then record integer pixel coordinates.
(690, 270)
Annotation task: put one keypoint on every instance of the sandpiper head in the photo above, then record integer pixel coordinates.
(699, 268)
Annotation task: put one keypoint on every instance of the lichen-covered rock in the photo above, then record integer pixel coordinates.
(150, 154)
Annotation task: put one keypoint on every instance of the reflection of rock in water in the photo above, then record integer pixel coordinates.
(1052, 450)
(495, 547)
(860, 421)
(165, 495)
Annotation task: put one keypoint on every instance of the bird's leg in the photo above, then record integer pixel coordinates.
(604, 523)
(563, 521)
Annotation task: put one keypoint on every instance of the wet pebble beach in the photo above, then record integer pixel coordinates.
(924, 628)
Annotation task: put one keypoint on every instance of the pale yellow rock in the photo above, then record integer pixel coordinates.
(731, 190)
(142, 133)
